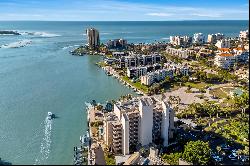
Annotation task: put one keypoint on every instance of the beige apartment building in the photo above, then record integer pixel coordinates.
(140, 121)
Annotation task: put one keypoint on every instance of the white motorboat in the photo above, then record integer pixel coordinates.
(50, 115)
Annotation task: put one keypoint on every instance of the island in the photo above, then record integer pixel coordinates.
(6, 32)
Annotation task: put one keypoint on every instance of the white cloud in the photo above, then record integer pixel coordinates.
(159, 14)
(96, 10)
(206, 15)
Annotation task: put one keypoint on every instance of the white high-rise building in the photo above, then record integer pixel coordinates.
(224, 43)
(213, 38)
(199, 38)
(140, 121)
(93, 37)
(146, 119)
(180, 40)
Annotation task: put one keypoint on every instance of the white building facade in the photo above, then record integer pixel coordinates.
(223, 43)
(199, 38)
(141, 121)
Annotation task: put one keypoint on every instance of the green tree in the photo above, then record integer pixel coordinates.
(197, 152)
(172, 158)
(218, 148)
(99, 107)
(184, 79)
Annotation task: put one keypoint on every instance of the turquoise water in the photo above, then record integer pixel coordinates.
(44, 77)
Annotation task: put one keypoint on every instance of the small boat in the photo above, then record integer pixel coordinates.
(85, 139)
(50, 115)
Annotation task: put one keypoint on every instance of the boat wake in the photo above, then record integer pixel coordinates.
(45, 144)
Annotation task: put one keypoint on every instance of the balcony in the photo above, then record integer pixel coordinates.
(117, 137)
(116, 132)
(117, 141)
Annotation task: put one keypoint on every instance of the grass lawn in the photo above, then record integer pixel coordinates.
(101, 64)
(227, 103)
(218, 93)
(200, 85)
(201, 96)
(138, 85)
(228, 89)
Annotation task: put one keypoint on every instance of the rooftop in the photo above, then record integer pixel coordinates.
(224, 49)
(225, 54)
(146, 101)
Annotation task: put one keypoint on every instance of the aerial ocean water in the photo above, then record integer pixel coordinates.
(38, 75)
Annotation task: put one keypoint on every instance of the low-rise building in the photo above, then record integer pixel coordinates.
(136, 71)
(117, 43)
(158, 75)
(135, 60)
(154, 158)
(181, 52)
(226, 58)
(118, 54)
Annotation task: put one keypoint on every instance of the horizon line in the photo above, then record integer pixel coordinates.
(124, 20)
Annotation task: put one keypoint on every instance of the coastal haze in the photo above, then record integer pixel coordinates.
(42, 76)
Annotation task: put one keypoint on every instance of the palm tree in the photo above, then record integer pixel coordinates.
(218, 148)
(239, 152)
(178, 99)
(171, 99)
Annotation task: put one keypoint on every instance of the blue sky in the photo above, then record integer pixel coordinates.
(124, 10)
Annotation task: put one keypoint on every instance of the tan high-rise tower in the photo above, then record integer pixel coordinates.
(93, 37)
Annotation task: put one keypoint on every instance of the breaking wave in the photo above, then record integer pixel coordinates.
(165, 38)
(26, 33)
(88, 105)
(18, 44)
(40, 34)
(67, 47)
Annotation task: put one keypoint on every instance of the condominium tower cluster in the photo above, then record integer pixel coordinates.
(117, 43)
(138, 122)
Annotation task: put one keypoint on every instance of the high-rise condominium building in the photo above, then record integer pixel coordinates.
(199, 38)
(93, 37)
(140, 121)
(213, 38)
